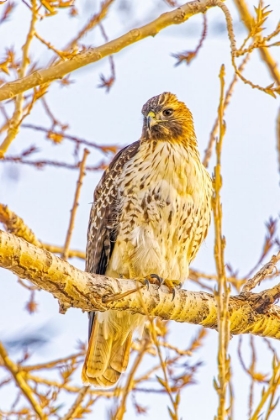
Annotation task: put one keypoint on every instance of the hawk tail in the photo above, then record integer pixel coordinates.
(108, 350)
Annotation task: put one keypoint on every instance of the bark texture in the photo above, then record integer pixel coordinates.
(252, 313)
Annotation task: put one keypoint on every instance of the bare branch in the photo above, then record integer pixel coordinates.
(39, 77)
(61, 134)
(17, 115)
(264, 272)
(278, 138)
(82, 173)
(130, 382)
(265, 53)
(40, 164)
(75, 288)
(188, 56)
(16, 225)
(228, 95)
(223, 291)
(73, 412)
(93, 21)
(22, 384)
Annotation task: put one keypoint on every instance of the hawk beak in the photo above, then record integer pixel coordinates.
(151, 119)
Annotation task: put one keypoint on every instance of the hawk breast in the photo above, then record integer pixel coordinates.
(165, 195)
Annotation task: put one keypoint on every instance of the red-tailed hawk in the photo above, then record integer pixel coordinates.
(150, 214)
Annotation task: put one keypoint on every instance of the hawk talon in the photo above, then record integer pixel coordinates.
(147, 283)
(173, 285)
(161, 282)
(150, 278)
(158, 278)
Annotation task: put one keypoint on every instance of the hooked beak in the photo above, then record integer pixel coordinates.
(151, 119)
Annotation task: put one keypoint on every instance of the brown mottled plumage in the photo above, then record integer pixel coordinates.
(151, 213)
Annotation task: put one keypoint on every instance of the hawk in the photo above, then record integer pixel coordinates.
(150, 214)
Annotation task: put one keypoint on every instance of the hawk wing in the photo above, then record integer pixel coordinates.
(104, 216)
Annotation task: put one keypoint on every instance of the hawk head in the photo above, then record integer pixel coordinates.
(166, 118)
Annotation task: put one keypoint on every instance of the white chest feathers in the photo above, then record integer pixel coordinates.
(165, 205)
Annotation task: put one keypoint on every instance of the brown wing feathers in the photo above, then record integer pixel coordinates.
(102, 230)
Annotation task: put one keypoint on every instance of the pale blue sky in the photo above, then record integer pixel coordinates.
(44, 198)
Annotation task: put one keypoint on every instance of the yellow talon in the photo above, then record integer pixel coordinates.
(155, 279)
(172, 285)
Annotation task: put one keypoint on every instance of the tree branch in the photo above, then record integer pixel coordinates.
(21, 382)
(16, 119)
(249, 312)
(247, 19)
(16, 225)
(58, 71)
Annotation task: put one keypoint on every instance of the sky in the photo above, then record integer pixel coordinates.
(250, 193)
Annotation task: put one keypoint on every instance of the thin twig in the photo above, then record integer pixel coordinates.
(21, 382)
(49, 113)
(214, 131)
(93, 22)
(17, 115)
(40, 164)
(107, 82)
(188, 56)
(223, 292)
(75, 139)
(71, 414)
(195, 344)
(262, 274)
(247, 19)
(271, 90)
(63, 55)
(72, 253)
(165, 382)
(252, 372)
(270, 391)
(278, 138)
(82, 173)
(118, 415)
(53, 364)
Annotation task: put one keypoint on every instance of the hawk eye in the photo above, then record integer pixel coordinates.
(167, 112)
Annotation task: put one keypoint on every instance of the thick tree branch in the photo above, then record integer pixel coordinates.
(58, 71)
(16, 225)
(249, 312)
